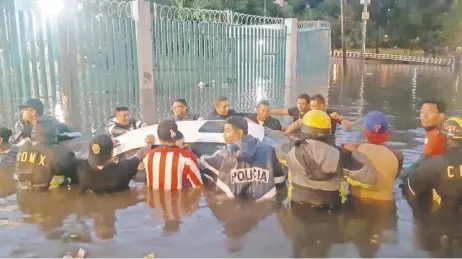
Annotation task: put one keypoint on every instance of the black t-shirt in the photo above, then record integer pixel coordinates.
(333, 127)
(441, 173)
(333, 122)
(295, 113)
(113, 177)
(271, 122)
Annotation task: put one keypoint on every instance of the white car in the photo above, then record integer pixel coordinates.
(202, 136)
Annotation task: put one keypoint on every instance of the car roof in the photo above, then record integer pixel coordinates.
(205, 131)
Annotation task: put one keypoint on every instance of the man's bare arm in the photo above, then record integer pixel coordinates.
(279, 112)
(346, 124)
(294, 127)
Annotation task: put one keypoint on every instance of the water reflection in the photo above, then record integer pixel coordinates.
(439, 233)
(311, 232)
(139, 222)
(172, 206)
(239, 217)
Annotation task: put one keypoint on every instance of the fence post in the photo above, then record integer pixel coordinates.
(141, 12)
(291, 63)
(66, 68)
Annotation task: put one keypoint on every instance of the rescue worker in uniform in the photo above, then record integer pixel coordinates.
(41, 158)
(32, 111)
(439, 178)
(317, 170)
(122, 122)
(246, 168)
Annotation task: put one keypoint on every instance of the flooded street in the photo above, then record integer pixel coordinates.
(191, 224)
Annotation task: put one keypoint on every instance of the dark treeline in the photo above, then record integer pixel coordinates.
(435, 26)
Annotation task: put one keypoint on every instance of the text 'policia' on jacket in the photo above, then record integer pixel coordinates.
(247, 168)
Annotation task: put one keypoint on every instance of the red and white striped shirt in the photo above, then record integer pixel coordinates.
(172, 169)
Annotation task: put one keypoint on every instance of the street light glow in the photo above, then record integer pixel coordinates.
(51, 7)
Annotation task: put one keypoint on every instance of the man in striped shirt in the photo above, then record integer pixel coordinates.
(169, 167)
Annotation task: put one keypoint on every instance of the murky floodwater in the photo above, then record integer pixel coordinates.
(188, 224)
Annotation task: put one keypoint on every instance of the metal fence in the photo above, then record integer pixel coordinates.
(313, 56)
(85, 61)
(201, 54)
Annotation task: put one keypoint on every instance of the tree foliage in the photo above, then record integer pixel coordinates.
(432, 25)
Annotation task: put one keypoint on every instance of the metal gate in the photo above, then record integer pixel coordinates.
(202, 54)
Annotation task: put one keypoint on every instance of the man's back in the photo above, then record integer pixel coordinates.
(439, 178)
(113, 177)
(386, 164)
(172, 168)
(36, 164)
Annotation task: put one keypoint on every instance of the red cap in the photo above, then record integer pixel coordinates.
(375, 138)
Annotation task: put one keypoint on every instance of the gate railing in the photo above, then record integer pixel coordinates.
(217, 52)
(313, 44)
(97, 54)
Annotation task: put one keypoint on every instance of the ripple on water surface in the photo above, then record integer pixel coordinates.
(190, 224)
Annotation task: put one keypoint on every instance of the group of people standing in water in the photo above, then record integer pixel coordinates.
(319, 172)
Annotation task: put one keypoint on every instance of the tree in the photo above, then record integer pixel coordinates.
(428, 24)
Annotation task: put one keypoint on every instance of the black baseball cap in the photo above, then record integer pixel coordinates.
(239, 122)
(35, 104)
(5, 134)
(100, 150)
(167, 131)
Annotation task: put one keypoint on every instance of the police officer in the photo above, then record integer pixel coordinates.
(440, 178)
(41, 158)
(32, 111)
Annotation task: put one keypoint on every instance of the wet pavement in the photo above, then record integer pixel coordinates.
(193, 224)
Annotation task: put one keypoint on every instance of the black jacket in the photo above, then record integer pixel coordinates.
(23, 130)
(437, 178)
(38, 163)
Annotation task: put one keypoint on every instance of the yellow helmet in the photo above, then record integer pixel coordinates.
(316, 123)
(452, 128)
